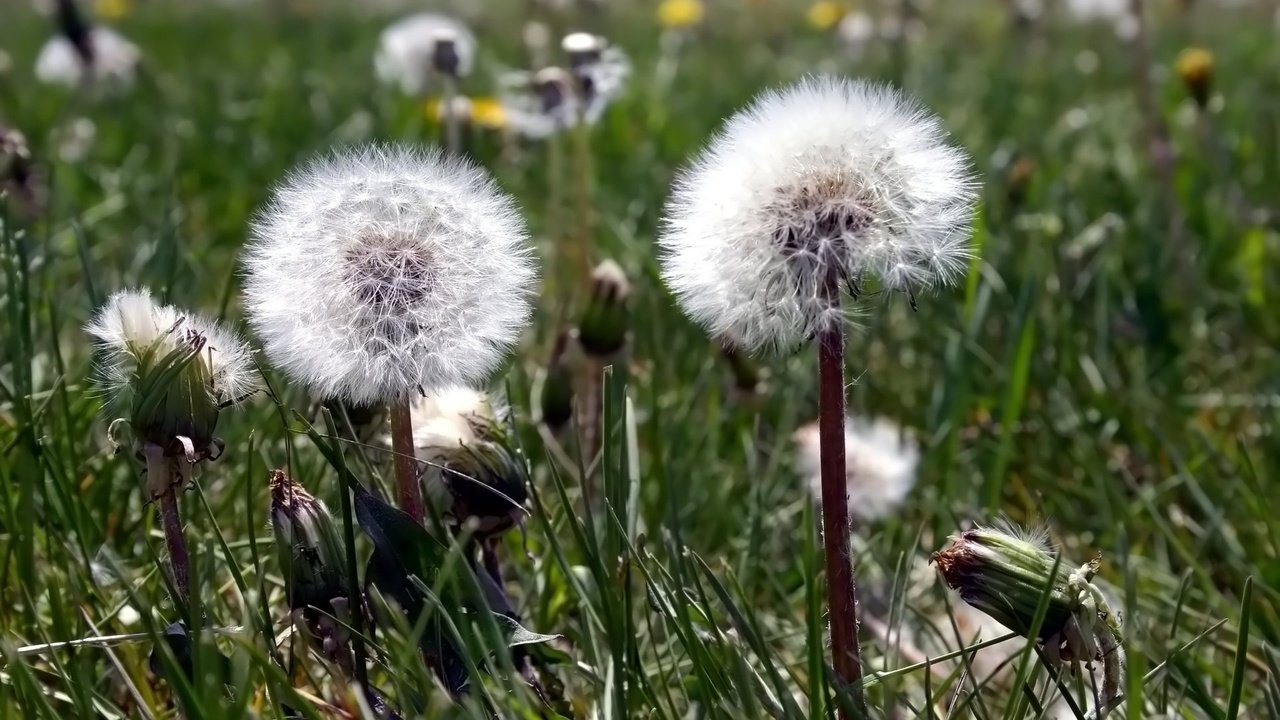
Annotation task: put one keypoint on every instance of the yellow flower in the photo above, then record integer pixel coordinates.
(112, 9)
(824, 14)
(1195, 67)
(485, 112)
(680, 13)
(488, 112)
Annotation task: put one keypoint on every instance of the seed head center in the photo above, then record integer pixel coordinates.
(389, 274)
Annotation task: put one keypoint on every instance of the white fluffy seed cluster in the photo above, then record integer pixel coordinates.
(407, 54)
(880, 465)
(828, 178)
(382, 272)
(132, 324)
(115, 60)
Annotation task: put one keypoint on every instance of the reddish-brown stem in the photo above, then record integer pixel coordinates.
(842, 595)
(406, 462)
(179, 562)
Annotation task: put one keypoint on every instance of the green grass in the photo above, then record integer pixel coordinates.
(1081, 375)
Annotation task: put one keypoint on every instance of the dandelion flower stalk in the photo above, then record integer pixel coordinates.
(167, 374)
(415, 273)
(802, 196)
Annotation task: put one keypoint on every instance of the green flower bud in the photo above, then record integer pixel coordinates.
(602, 329)
(556, 398)
(489, 486)
(311, 555)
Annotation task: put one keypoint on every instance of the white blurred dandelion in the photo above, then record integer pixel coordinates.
(419, 50)
(106, 58)
(880, 461)
(802, 196)
(383, 273)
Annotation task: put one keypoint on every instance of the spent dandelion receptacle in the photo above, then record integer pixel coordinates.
(381, 273)
(1006, 572)
(803, 196)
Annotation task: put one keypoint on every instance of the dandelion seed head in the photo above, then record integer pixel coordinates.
(880, 465)
(132, 324)
(414, 51)
(451, 418)
(829, 178)
(115, 60)
(383, 272)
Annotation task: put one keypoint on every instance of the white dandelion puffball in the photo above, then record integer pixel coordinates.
(416, 50)
(450, 418)
(829, 179)
(115, 60)
(132, 324)
(880, 465)
(379, 273)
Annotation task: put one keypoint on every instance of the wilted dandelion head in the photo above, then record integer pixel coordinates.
(378, 273)
(880, 465)
(820, 184)
(414, 51)
(112, 61)
(168, 371)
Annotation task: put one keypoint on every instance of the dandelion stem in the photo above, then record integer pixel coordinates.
(452, 127)
(842, 599)
(179, 561)
(160, 483)
(407, 487)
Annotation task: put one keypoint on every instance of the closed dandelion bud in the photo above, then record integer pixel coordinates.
(1195, 67)
(556, 398)
(489, 486)
(1019, 178)
(169, 374)
(1004, 574)
(311, 554)
(602, 330)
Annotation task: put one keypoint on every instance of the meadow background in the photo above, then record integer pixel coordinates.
(1109, 366)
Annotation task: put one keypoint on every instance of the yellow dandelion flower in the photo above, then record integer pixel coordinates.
(488, 112)
(680, 13)
(1195, 67)
(824, 14)
(112, 9)
(485, 112)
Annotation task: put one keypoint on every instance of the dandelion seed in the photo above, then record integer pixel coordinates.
(417, 50)
(827, 177)
(380, 272)
(880, 462)
(801, 196)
